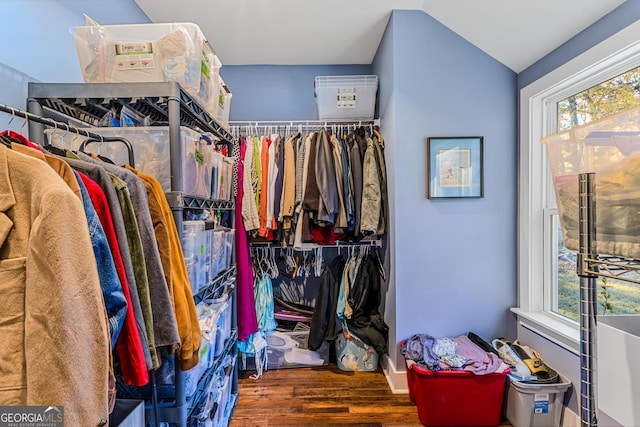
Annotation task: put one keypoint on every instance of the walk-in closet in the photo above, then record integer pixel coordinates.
(231, 214)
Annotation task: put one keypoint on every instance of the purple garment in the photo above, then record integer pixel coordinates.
(419, 348)
(247, 318)
(478, 361)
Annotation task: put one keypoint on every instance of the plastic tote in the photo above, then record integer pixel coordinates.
(536, 405)
(346, 97)
(456, 398)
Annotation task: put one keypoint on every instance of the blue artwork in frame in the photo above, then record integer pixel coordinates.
(454, 167)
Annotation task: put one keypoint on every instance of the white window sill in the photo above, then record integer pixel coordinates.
(552, 327)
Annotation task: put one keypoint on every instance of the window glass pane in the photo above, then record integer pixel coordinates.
(614, 296)
(612, 96)
(568, 296)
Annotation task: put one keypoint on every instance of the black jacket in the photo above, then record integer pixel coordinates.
(324, 324)
(366, 321)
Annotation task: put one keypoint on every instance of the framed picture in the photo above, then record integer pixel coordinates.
(454, 167)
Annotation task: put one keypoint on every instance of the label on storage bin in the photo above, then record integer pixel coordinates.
(130, 56)
(541, 403)
(346, 97)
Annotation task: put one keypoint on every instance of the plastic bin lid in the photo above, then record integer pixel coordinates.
(561, 386)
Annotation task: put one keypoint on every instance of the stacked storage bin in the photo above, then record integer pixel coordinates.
(154, 53)
(207, 251)
(206, 173)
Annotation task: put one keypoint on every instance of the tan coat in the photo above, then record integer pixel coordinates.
(53, 329)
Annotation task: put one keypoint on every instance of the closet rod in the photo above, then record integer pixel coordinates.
(93, 137)
(339, 244)
(49, 122)
(314, 123)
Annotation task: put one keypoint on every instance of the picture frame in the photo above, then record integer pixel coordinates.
(455, 167)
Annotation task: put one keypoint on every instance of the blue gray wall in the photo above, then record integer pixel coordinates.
(454, 269)
(278, 92)
(37, 42)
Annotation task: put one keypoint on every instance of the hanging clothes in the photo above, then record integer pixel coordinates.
(116, 202)
(250, 216)
(129, 346)
(175, 270)
(164, 322)
(324, 325)
(114, 300)
(366, 322)
(53, 324)
(247, 320)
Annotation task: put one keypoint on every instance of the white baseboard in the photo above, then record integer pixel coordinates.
(397, 379)
(570, 418)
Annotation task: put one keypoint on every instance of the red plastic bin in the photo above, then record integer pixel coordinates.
(456, 398)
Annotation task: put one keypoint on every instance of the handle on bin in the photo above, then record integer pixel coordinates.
(125, 141)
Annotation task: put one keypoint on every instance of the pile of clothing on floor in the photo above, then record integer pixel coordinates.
(465, 352)
(472, 353)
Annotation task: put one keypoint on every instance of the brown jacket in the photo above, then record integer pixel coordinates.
(53, 329)
(175, 271)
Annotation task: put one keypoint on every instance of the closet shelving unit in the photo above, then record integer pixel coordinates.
(168, 104)
(591, 265)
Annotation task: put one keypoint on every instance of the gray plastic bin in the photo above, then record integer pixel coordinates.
(536, 405)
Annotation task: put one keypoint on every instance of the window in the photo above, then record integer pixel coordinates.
(614, 297)
(599, 82)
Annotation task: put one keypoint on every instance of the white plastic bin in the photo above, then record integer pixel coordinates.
(536, 405)
(346, 97)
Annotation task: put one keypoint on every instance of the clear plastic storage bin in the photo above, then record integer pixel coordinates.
(610, 148)
(195, 251)
(223, 106)
(149, 53)
(150, 147)
(346, 97)
(200, 162)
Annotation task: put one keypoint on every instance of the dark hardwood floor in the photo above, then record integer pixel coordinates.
(324, 396)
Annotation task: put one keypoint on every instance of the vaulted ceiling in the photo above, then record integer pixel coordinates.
(297, 32)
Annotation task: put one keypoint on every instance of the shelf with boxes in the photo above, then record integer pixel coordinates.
(175, 116)
(156, 52)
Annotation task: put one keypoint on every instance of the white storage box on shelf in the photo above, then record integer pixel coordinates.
(346, 97)
(148, 53)
(610, 147)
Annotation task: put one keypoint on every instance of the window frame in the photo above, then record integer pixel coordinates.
(536, 203)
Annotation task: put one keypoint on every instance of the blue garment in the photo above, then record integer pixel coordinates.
(112, 293)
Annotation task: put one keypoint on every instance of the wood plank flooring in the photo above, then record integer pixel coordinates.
(324, 396)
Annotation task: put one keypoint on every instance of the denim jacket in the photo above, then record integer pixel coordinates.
(112, 293)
